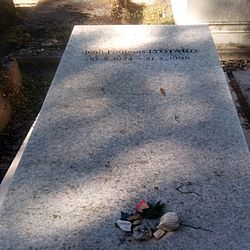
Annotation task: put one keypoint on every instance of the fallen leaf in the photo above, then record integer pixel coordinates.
(162, 91)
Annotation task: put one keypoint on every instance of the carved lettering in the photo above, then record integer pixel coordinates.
(169, 54)
(150, 51)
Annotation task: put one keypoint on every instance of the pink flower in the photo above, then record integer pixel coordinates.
(142, 204)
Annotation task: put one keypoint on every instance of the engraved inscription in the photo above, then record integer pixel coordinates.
(146, 55)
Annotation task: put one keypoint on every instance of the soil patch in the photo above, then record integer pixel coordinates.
(25, 107)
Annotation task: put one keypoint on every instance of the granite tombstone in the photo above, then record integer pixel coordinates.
(133, 112)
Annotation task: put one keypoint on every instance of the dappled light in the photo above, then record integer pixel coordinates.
(106, 138)
(136, 38)
(25, 3)
(133, 113)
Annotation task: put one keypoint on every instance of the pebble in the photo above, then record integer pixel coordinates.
(159, 233)
(142, 232)
(134, 217)
(169, 222)
(151, 223)
(125, 226)
(137, 223)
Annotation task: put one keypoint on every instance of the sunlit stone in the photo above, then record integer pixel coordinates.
(107, 136)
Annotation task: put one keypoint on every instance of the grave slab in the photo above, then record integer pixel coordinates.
(133, 112)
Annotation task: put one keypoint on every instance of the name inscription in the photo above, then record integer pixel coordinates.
(148, 55)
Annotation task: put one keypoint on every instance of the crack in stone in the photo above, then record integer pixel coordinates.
(186, 192)
(198, 228)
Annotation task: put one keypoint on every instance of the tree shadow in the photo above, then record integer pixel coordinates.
(106, 141)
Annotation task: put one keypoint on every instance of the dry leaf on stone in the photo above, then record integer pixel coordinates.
(57, 216)
(162, 91)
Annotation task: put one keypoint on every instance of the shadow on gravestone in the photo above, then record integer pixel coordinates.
(106, 137)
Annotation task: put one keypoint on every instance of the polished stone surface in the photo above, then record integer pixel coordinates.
(133, 112)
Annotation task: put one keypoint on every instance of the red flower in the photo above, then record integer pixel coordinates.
(142, 204)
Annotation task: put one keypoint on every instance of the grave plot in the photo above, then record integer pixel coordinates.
(133, 112)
